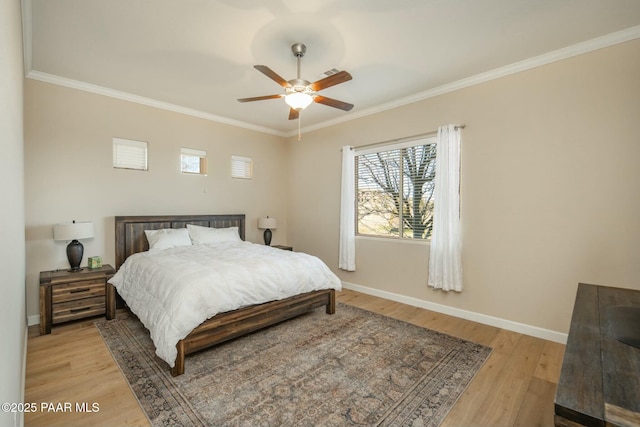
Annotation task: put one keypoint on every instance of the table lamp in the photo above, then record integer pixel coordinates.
(73, 231)
(267, 224)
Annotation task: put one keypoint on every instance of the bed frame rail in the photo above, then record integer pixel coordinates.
(233, 324)
(130, 239)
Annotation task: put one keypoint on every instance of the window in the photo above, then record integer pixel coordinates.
(241, 167)
(193, 161)
(129, 154)
(394, 189)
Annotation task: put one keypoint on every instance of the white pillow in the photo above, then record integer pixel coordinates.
(167, 238)
(201, 235)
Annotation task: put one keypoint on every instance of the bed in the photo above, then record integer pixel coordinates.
(131, 239)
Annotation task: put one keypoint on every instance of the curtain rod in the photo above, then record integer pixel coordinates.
(407, 138)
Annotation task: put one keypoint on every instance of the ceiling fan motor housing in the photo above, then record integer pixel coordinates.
(300, 93)
(299, 83)
(298, 50)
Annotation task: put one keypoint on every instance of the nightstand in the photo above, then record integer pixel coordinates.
(283, 247)
(66, 296)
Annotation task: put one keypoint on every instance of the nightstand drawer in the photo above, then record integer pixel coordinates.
(77, 291)
(78, 309)
(66, 295)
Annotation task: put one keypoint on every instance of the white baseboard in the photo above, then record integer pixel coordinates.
(509, 325)
(33, 320)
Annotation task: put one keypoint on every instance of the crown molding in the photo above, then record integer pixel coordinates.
(125, 96)
(628, 34)
(608, 40)
(26, 35)
(101, 90)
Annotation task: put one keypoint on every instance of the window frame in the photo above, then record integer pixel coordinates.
(244, 163)
(401, 144)
(130, 161)
(194, 153)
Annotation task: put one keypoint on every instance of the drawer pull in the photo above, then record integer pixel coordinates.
(75, 291)
(79, 310)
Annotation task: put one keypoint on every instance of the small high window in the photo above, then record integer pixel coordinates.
(129, 154)
(241, 167)
(193, 161)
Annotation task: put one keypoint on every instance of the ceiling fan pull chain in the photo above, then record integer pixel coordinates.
(299, 134)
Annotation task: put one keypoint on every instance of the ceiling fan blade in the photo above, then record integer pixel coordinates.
(259, 98)
(293, 114)
(332, 80)
(272, 75)
(333, 103)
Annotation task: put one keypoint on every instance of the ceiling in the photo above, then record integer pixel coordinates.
(197, 56)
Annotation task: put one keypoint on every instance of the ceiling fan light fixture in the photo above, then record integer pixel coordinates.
(298, 100)
(300, 93)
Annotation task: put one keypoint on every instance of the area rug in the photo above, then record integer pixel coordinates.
(351, 368)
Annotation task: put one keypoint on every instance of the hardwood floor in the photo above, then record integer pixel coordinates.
(517, 384)
(515, 387)
(73, 365)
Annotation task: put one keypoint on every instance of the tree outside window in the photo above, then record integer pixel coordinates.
(394, 190)
(193, 161)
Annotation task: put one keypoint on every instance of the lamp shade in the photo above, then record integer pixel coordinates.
(73, 230)
(267, 223)
(298, 100)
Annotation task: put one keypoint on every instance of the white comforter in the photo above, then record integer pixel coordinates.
(174, 290)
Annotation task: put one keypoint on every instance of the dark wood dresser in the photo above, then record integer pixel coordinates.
(66, 296)
(600, 378)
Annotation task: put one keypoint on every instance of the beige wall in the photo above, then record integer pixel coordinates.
(550, 189)
(12, 254)
(550, 183)
(69, 173)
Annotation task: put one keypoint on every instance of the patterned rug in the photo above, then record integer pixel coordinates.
(352, 368)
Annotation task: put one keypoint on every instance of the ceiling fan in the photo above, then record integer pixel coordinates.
(299, 93)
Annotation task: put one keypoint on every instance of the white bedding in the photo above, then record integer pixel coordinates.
(174, 290)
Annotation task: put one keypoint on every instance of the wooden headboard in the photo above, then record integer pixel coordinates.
(130, 238)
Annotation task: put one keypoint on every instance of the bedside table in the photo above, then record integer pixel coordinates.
(66, 296)
(283, 247)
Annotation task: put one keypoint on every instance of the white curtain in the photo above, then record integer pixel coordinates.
(347, 212)
(445, 258)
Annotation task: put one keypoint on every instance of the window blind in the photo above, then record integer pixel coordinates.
(241, 167)
(378, 190)
(394, 189)
(129, 154)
